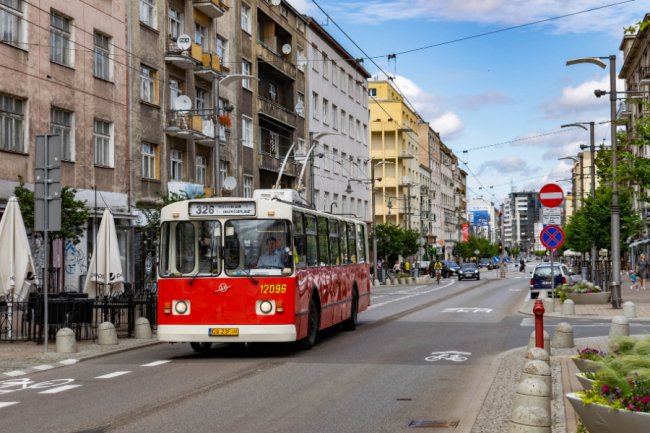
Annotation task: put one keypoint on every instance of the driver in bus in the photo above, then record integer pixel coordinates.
(272, 257)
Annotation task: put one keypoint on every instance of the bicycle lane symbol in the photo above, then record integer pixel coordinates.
(450, 355)
(45, 387)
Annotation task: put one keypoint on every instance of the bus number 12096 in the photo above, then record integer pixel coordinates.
(273, 288)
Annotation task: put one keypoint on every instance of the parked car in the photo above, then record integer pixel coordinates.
(423, 267)
(469, 270)
(541, 277)
(485, 263)
(449, 268)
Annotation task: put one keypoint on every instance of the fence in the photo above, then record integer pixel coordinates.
(601, 278)
(24, 321)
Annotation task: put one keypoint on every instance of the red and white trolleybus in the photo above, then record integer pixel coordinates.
(261, 269)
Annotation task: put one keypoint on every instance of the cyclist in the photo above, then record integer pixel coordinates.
(437, 269)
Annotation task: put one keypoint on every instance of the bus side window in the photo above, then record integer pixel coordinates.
(185, 247)
(352, 242)
(311, 233)
(299, 241)
(323, 242)
(344, 242)
(335, 254)
(361, 243)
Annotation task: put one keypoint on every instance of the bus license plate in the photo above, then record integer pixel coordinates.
(223, 332)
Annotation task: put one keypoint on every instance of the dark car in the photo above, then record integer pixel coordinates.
(485, 263)
(469, 270)
(449, 268)
(541, 277)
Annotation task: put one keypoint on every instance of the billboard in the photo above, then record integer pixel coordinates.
(479, 218)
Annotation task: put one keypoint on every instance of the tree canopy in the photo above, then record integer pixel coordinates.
(393, 241)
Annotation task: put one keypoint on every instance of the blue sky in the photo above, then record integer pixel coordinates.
(508, 86)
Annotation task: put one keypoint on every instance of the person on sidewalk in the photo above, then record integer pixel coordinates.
(642, 270)
(635, 281)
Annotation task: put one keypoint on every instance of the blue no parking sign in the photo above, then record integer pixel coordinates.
(552, 237)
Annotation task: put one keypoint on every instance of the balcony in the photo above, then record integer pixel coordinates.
(274, 59)
(211, 62)
(276, 111)
(211, 8)
(188, 59)
(187, 125)
(623, 110)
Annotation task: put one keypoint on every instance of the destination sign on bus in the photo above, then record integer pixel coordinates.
(222, 209)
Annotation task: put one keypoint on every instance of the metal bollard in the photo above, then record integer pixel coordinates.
(563, 337)
(538, 311)
(546, 338)
(106, 334)
(620, 327)
(568, 308)
(65, 341)
(629, 309)
(142, 328)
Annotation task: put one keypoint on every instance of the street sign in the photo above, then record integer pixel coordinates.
(551, 195)
(552, 237)
(552, 216)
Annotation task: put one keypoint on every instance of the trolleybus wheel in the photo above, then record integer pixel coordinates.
(351, 323)
(201, 347)
(313, 322)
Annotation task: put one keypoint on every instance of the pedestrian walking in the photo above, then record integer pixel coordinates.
(635, 281)
(642, 270)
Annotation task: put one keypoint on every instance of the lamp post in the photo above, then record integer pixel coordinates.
(374, 216)
(313, 140)
(592, 181)
(615, 212)
(217, 81)
(576, 160)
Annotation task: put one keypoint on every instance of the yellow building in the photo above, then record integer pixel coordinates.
(393, 153)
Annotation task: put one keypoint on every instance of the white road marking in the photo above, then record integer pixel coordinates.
(15, 373)
(59, 389)
(514, 290)
(155, 363)
(69, 361)
(112, 375)
(451, 355)
(43, 367)
(467, 310)
(435, 289)
(8, 403)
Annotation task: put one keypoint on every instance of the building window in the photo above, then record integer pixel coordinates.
(12, 118)
(301, 104)
(246, 18)
(351, 126)
(247, 131)
(302, 149)
(60, 39)
(343, 119)
(326, 108)
(335, 74)
(314, 107)
(148, 84)
(102, 56)
(358, 130)
(335, 117)
(11, 21)
(273, 92)
(223, 172)
(176, 159)
(222, 128)
(342, 83)
(326, 67)
(314, 58)
(350, 86)
(103, 138)
(174, 92)
(201, 169)
(246, 70)
(222, 48)
(201, 36)
(202, 101)
(248, 186)
(61, 124)
(148, 13)
(149, 161)
(175, 24)
(302, 60)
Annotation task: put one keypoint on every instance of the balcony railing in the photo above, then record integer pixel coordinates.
(212, 8)
(276, 111)
(189, 125)
(276, 60)
(184, 59)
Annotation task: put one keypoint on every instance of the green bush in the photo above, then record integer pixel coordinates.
(581, 287)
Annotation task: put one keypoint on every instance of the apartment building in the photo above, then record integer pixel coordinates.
(521, 211)
(337, 101)
(64, 71)
(393, 151)
(429, 144)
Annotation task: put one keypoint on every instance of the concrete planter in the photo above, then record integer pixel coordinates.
(584, 381)
(585, 365)
(589, 298)
(598, 418)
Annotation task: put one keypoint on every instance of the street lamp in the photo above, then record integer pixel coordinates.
(217, 81)
(616, 216)
(313, 140)
(374, 216)
(592, 181)
(577, 160)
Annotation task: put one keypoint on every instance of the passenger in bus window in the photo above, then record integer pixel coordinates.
(272, 257)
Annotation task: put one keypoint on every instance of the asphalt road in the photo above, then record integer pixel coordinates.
(417, 358)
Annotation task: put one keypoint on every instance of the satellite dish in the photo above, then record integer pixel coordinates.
(286, 48)
(184, 42)
(276, 2)
(183, 103)
(229, 183)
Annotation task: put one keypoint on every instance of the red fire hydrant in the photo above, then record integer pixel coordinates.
(538, 310)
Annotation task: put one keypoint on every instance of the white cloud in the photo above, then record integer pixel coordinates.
(448, 125)
(506, 165)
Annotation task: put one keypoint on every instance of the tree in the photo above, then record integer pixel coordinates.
(74, 213)
(393, 241)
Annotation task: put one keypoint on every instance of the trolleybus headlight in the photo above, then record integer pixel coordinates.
(181, 307)
(266, 307)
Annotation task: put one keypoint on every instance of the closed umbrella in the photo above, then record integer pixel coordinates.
(15, 256)
(105, 271)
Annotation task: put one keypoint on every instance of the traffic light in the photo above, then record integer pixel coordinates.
(500, 247)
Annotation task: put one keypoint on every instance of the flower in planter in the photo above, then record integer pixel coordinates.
(591, 354)
(224, 120)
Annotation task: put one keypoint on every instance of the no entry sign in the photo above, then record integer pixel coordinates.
(552, 237)
(551, 195)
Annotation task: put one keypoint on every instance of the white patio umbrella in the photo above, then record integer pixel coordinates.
(15, 256)
(105, 271)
